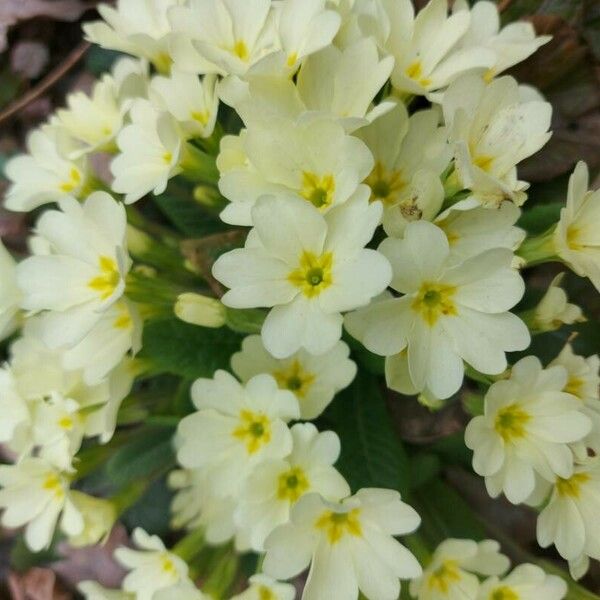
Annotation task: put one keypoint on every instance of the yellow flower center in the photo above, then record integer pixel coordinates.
(318, 190)
(264, 593)
(123, 320)
(510, 422)
(167, 565)
(504, 593)
(108, 280)
(444, 576)
(571, 488)
(573, 234)
(292, 59)
(295, 379)
(575, 386)
(415, 72)
(314, 273)
(385, 185)
(292, 484)
(167, 158)
(484, 162)
(489, 75)
(54, 484)
(336, 525)
(72, 183)
(241, 50)
(201, 116)
(254, 430)
(66, 423)
(435, 300)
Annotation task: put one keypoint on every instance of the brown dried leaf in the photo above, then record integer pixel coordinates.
(36, 584)
(93, 562)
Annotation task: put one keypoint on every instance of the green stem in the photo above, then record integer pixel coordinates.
(538, 249)
(198, 166)
(153, 291)
(222, 572)
(188, 547)
(452, 186)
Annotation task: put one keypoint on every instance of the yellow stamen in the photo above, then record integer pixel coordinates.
(167, 564)
(54, 484)
(66, 423)
(108, 280)
(504, 593)
(573, 234)
(444, 576)
(241, 50)
(336, 525)
(292, 59)
(318, 190)
(435, 300)
(264, 593)
(294, 378)
(510, 422)
(123, 320)
(314, 273)
(201, 116)
(571, 488)
(72, 183)
(415, 72)
(575, 386)
(254, 429)
(167, 157)
(484, 162)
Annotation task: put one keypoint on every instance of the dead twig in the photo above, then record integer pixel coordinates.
(46, 83)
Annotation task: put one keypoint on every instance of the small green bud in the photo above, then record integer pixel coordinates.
(200, 310)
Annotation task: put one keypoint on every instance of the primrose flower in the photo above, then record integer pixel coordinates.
(576, 237)
(276, 485)
(137, 27)
(525, 430)
(46, 173)
(448, 312)
(313, 158)
(83, 275)
(314, 380)
(453, 569)
(349, 546)
(235, 428)
(36, 495)
(307, 266)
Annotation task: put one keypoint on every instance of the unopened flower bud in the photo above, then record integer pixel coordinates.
(200, 310)
(99, 516)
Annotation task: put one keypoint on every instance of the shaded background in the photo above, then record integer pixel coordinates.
(43, 57)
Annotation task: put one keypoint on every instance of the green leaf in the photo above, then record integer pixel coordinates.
(424, 466)
(175, 347)
(147, 454)
(22, 558)
(446, 514)
(540, 217)
(187, 215)
(372, 455)
(99, 60)
(152, 512)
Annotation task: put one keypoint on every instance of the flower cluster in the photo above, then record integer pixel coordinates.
(348, 171)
